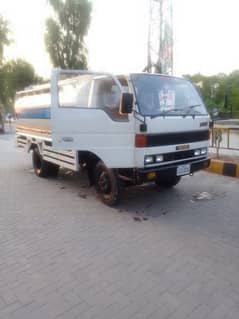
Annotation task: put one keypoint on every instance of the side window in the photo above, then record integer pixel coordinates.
(67, 94)
(83, 95)
(91, 90)
(111, 97)
(106, 95)
(74, 92)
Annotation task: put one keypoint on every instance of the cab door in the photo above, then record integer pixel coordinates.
(82, 121)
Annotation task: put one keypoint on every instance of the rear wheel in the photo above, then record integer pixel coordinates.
(108, 186)
(41, 167)
(168, 182)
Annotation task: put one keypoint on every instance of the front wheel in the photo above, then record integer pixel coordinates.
(167, 182)
(107, 184)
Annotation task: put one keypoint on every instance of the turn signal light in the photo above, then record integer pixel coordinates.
(140, 140)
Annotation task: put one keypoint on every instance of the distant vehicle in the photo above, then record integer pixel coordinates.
(125, 130)
(215, 112)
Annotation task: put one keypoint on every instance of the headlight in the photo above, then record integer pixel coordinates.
(203, 151)
(159, 158)
(197, 152)
(148, 159)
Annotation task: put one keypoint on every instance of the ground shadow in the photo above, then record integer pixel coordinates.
(147, 200)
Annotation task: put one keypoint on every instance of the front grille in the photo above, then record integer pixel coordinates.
(177, 138)
(178, 155)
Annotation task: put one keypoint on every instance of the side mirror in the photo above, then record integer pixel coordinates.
(126, 103)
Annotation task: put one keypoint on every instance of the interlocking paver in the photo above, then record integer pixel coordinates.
(63, 256)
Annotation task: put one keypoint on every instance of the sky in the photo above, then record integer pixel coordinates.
(205, 35)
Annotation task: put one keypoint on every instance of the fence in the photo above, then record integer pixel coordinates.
(225, 136)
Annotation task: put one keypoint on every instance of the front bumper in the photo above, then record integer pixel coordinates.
(149, 174)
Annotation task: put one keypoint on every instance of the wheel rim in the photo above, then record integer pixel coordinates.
(104, 183)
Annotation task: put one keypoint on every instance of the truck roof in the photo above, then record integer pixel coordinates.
(45, 88)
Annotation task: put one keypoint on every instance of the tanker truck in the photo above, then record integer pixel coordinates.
(124, 130)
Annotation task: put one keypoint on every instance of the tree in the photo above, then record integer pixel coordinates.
(232, 90)
(64, 36)
(15, 75)
(4, 36)
(217, 89)
(212, 88)
(4, 40)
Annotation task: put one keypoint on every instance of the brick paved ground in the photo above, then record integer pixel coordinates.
(63, 254)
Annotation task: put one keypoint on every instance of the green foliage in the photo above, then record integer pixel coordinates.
(15, 75)
(64, 36)
(4, 36)
(214, 88)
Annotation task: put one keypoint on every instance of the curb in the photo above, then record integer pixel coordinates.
(223, 168)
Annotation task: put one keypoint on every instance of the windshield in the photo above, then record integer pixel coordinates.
(162, 95)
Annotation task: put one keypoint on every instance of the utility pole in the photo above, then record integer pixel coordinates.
(160, 37)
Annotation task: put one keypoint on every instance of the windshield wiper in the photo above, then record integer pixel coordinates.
(185, 111)
(191, 107)
(163, 113)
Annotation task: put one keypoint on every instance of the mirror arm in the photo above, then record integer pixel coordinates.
(143, 125)
(138, 118)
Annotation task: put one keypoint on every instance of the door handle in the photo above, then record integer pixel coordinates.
(67, 139)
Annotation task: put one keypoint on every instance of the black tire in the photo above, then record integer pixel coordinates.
(168, 182)
(107, 185)
(41, 167)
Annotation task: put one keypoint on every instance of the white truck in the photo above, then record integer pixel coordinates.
(125, 130)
